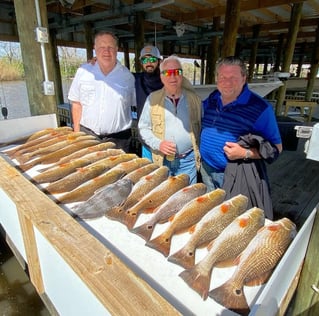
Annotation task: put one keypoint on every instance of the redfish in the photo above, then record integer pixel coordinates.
(255, 264)
(169, 208)
(133, 164)
(208, 228)
(55, 156)
(188, 216)
(138, 173)
(86, 173)
(87, 189)
(36, 142)
(140, 189)
(225, 248)
(62, 170)
(154, 198)
(103, 199)
(49, 146)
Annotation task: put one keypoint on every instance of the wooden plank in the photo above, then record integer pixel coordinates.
(31, 252)
(306, 301)
(302, 105)
(119, 289)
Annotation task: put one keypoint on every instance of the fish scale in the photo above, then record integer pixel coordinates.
(226, 247)
(255, 264)
(208, 228)
(188, 216)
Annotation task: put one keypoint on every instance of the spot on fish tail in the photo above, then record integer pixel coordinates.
(201, 199)
(225, 207)
(243, 222)
(273, 227)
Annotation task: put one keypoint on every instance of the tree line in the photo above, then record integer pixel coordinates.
(11, 64)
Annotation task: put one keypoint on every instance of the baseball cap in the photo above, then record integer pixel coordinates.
(150, 50)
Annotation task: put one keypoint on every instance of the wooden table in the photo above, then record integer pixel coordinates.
(302, 105)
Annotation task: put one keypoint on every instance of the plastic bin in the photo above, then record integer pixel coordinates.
(288, 133)
(64, 114)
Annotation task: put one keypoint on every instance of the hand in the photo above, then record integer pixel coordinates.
(167, 147)
(234, 151)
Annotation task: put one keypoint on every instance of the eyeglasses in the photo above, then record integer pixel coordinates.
(145, 60)
(171, 72)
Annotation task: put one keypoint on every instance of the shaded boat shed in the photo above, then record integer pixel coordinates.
(258, 31)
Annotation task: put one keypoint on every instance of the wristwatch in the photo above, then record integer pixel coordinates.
(248, 154)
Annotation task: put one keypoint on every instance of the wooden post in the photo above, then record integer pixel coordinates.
(253, 54)
(232, 19)
(212, 53)
(306, 300)
(139, 37)
(25, 11)
(314, 68)
(289, 51)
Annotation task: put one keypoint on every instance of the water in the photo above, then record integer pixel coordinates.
(17, 294)
(14, 96)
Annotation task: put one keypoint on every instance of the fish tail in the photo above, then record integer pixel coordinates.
(115, 213)
(231, 296)
(199, 282)
(162, 243)
(70, 197)
(27, 166)
(184, 257)
(145, 231)
(129, 219)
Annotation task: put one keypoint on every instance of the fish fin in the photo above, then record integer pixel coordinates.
(262, 279)
(162, 243)
(145, 231)
(129, 218)
(115, 213)
(183, 257)
(27, 166)
(197, 281)
(171, 218)
(231, 296)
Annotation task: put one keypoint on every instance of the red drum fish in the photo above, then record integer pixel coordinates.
(137, 174)
(145, 185)
(151, 201)
(86, 173)
(57, 172)
(225, 248)
(255, 264)
(188, 216)
(36, 141)
(87, 189)
(208, 228)
(169, 208)
(49, 146)
(55, 156)
(100, 147)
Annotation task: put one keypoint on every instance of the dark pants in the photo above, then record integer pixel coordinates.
(121, 139)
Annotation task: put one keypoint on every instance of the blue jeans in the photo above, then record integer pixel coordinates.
(183, 165)
(146, 153)
(211, 177)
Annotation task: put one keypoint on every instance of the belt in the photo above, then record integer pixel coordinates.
(122, 134)
(183, 155)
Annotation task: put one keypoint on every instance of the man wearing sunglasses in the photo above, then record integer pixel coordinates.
(146, 82)
(171, 120)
